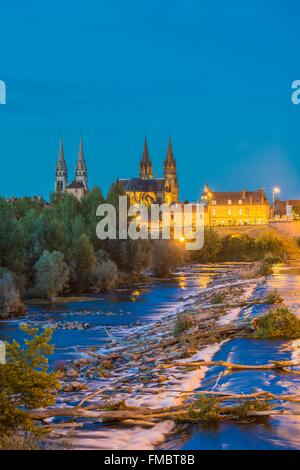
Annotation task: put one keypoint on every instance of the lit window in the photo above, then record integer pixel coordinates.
(214, 202)
(213, 211)
(240, 211)
(229, 202)
(229, 211)
(240, 201)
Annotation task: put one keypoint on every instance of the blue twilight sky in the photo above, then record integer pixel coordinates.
(216, 74)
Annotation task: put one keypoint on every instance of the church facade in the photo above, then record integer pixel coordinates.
(79, 185)
(148, 190)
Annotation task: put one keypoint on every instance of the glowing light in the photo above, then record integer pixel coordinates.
(182, 239)
(276, 189)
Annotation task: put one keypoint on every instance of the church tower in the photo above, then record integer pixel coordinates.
(145, 163)
(61, 174)
(170, 172)
(81, 169)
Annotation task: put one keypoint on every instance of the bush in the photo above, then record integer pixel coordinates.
(183, 322)
(277, 323)
(165, 256)
(11, 441)
(265, 269)
(10, 302)
(273, 298)
(25, 382)
(205, 409)
(218, 298)
(105, 275)
(211, 248)
(51, 274)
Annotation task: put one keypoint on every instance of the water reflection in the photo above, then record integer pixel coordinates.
(280, 432)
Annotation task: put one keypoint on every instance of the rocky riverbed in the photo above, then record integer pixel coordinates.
(131, 370)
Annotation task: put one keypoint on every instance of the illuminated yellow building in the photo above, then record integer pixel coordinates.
(148, 190)
(235, 207)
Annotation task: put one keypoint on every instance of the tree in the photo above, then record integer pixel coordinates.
(25, 381)
(104, 276)
(85, 260)
(211, 248)
(51, 274)
(10, 302)
(165, 256)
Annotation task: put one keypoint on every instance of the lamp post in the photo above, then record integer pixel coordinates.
(275, 190)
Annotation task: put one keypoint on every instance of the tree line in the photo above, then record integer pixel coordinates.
(50, 249)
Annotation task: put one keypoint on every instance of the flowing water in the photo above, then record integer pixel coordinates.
(280, 432)
(109, 317)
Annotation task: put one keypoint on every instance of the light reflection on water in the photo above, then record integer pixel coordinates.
(123, 309)
(281, 432)
(113, 312)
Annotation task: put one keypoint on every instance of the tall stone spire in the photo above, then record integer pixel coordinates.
(170, 160)
(145, 163)
(61, 173)
(81, 168)
(170, 172)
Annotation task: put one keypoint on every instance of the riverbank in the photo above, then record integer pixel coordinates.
(131, 373)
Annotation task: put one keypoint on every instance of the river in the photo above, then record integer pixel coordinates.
(108, 318)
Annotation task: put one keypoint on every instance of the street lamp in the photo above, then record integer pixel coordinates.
(275, 190)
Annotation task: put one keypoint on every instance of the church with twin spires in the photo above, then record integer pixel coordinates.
(79, 185)
(148, 190)
(144, 189)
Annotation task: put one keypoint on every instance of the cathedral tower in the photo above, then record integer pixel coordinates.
(145, 163)
(170, 172)
(61, 174)
(81, 169)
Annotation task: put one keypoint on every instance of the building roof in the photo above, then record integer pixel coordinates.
(75, 185)
(143, 185)
(248, 197)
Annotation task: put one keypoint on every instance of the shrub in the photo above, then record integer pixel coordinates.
(273, 298)
(11, 441)
(265, 269)
(25, 381)
(183, 322)
(205, 409)
(218, 298)
(10, 302)
(165, 256)
(51, 274)
(104, 276)
(277, 323)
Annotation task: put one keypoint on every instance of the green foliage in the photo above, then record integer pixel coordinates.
(218, 298)
(10, 302)
(26, 383)
(273, 298)
(24, 441)
(52, 274)
(243, 410)
(85, 261)
(239, 248)
(265, 269)
(205, 409)
(277, 323)
(165, 256)
(183, 322)
(211, 248)
(104, 275)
